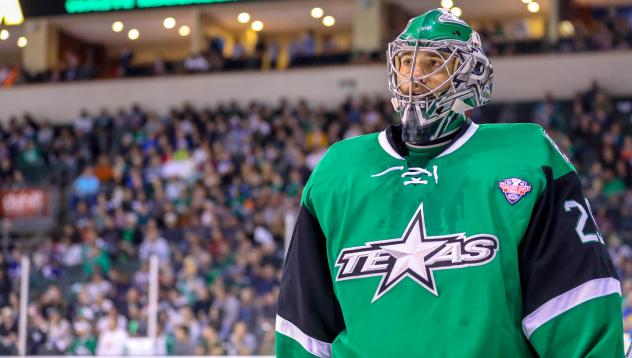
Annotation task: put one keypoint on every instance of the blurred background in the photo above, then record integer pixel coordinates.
(153, 152)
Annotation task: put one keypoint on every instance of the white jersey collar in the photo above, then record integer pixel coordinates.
(389, 147)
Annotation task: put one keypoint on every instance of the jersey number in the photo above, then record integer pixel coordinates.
(581, 223)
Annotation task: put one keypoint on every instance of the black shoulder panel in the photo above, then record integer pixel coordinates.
(307, 297)
(562, 247)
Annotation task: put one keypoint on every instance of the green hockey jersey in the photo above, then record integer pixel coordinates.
(487, 249)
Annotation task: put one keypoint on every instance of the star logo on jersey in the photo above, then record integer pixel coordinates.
(415, 255)
(514, 189)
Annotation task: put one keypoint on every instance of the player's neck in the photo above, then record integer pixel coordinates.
(436, 145)
(419, 156)
(444, 131)
(429, 149)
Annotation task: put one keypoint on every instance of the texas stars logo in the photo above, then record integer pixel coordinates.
(415, 255)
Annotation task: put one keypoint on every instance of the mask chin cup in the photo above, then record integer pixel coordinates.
(415, 129)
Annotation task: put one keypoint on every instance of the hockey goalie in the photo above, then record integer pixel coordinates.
(443, 238)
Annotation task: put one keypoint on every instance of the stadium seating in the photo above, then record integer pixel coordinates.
(206, 190)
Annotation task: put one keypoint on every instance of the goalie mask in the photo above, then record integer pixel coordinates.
(437, 70)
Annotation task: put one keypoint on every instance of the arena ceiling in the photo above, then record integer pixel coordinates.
(277, 16)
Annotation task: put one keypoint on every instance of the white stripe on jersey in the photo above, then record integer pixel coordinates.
(557, 305)
(310, 344)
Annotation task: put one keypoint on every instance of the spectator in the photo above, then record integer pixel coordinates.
(239, 51)
(330, 45)
(5, 285)
(196, 63)
(45, 135)
(125, 62)
(210, 343)
(159, 67)
(30, 156)
(83, 124)
(273, 54)
(37, 333)
(183, 345)
(112, 341)
(87, 184)
(154, 244)
(8, 333)
(103, 170)
(160, 344)
(308, 44)
(84, 343)
(4, 74)
(59, 333)
(98, 286)
(241, 342)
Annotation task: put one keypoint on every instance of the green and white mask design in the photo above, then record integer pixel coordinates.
(437, 70)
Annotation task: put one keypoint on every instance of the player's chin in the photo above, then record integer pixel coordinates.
(420, 92)
(416, 91)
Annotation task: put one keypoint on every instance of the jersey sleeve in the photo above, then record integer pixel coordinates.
(308, 315)
(571, 293)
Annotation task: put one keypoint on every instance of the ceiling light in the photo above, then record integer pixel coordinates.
(243, 17)
(22, 41)
(169, 23)
(133, 34)
(456, 11)
(11, 13)
(526, 1)
(4, 34)
(329, 21)
(317, 13)
(447, 4)
(117, 26)
(256, 25)
(533, 7)
(184, 30)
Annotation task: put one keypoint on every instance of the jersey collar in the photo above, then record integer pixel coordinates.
(391, 142)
